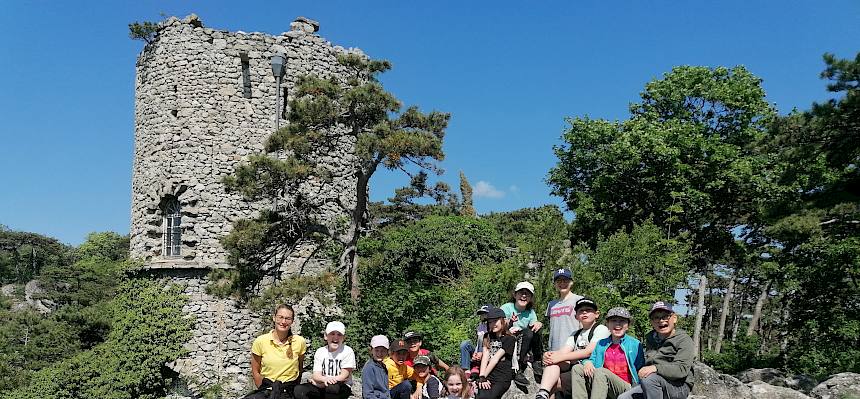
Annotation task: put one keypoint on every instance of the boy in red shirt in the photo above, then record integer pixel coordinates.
(614, 364)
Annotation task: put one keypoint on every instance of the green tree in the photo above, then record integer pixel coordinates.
(816, 229)
(325, 113)
(107, 245)
(686, 159)
(430, 275)
(145, 31)
(23, 255)
(467, 209)
(632, 269)
(405, 207)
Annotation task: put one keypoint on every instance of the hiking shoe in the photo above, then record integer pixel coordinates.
(521, 382)
(537, 369)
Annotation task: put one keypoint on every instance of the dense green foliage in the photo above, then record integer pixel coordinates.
(23, 255)
(633, 270)
(430, 276)
(147, 331)
(108, 336)
(767, 205)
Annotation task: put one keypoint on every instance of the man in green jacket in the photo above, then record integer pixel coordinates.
(668, 370)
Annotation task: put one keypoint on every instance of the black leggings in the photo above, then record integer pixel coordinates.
(497, 389)
(531, 342)
(311, 391)
(282, 390)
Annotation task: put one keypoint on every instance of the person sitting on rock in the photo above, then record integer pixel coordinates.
(615, 362)
(374, 374)
(469, 355)
(277, 358)
(496, 372)
(428, 386)
(525, 325)
(333, 365)
(401, 377)
(668, 370)
(579, 346)
(414, 340)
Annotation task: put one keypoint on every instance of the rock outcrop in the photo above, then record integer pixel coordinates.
(839, 386)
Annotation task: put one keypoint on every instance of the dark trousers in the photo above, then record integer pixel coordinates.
(497, 389)
(311, 391)
(656, 387)
(274, 390)
(402, 390)
(531, 343)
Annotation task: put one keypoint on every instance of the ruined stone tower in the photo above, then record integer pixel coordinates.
(204, 100)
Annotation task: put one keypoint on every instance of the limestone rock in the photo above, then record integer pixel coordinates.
(711, 384)
(839, 386)
(32, 290)
(769, 375)
(8, 290)
(776, 377)
(766, 391)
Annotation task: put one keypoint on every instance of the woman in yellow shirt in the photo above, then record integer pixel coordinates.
(277, 358)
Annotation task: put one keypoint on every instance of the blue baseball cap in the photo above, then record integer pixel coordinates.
(562, 273)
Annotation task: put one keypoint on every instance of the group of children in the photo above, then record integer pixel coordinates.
(586, 359)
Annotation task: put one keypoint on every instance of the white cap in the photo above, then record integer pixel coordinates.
(335, 326)
(379, 340)
(525, 285)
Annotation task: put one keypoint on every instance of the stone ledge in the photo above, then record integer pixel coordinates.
(170, 263)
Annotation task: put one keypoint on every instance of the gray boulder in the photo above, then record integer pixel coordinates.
(776, 377)
(711, 384)
(839, 386)
(767, 391)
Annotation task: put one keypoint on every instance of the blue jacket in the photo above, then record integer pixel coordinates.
(632, 350)
(374, 380)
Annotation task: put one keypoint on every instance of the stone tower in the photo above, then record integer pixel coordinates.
(204, 100)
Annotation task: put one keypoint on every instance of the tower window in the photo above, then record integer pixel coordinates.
(172, 236)
(246, 75)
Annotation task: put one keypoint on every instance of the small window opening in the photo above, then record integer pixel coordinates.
(246, 75)
(172, 223)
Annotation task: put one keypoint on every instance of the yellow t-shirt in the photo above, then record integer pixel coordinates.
(280, 362)
(397, 372)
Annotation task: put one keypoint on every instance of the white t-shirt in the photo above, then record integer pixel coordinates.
(581, 342)
(330, 364)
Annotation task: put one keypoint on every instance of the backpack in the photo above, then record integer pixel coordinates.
(590, 334)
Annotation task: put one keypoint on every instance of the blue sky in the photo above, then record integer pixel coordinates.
(509, 72)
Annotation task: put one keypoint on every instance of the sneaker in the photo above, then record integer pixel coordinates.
(521, 382)
(542, 394)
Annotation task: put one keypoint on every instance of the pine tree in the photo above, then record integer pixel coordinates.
(467, 209)
(323, 113)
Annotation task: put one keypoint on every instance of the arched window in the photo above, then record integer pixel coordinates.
(172, 236)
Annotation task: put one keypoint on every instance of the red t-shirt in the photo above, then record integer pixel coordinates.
(616, 362)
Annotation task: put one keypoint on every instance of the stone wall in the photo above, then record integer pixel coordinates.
(205, 100)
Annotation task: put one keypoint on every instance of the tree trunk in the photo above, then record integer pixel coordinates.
(359, 222)
(759, 304)
(700, 312)
(727, 300)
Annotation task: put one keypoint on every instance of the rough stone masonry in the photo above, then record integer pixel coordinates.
(205, 100)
